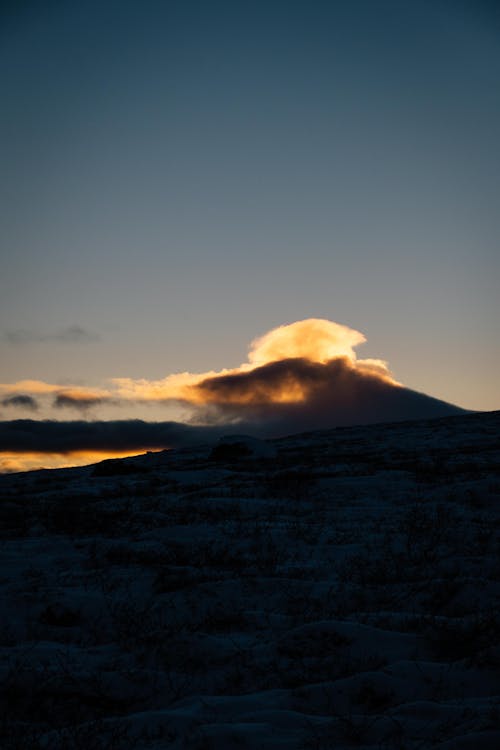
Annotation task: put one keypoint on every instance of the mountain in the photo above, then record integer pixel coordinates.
(336, 588)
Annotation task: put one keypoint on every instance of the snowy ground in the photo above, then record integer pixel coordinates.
(332, 590)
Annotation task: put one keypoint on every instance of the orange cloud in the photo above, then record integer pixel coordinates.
(298, 377)
(36, 387)
(314, 341)
(41, 388)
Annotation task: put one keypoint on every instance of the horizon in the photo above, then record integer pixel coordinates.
(81, 459)
(301, 376)
(179, 180)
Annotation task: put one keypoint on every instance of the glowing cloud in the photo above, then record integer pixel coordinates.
(312, 340)
(302, 376)
(298, 377)
(37, 387)
(41, 388)
(315, 339)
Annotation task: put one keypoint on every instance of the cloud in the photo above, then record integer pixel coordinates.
(301, 376)
(22, 401)
(315, 340)
(78, 396)
(50, 436)
(82, 400)
(288, 381)
(38, 387)
(296, 395)
(73, 334)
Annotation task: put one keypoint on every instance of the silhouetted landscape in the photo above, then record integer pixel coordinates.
(249, 402)
(331, 589)
(299, 377)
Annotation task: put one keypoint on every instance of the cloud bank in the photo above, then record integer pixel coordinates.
(313, 340)
(296, 395)
(50, 436)
(81, 398)
(298, 377)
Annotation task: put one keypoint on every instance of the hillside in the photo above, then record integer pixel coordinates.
(333, 589)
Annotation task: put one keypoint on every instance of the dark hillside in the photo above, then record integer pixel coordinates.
(333, 589)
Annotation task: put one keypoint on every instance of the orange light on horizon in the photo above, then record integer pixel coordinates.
(11, 462)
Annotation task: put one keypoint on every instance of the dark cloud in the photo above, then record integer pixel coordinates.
(22, 401)
(81, 402)
(265, 385)
(70, 335)
(336, 394)
(21, 336)
(332, 394)
(48, 436)
(74, 335)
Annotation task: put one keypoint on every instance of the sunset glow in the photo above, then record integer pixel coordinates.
(200, 196)
(13, 462)
(300, 376)
(315, 340)
(248, 311)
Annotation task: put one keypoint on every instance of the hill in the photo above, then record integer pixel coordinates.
(338, 588)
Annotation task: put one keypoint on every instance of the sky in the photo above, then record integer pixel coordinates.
(180, 178)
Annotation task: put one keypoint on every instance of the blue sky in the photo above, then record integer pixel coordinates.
(180, 178)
